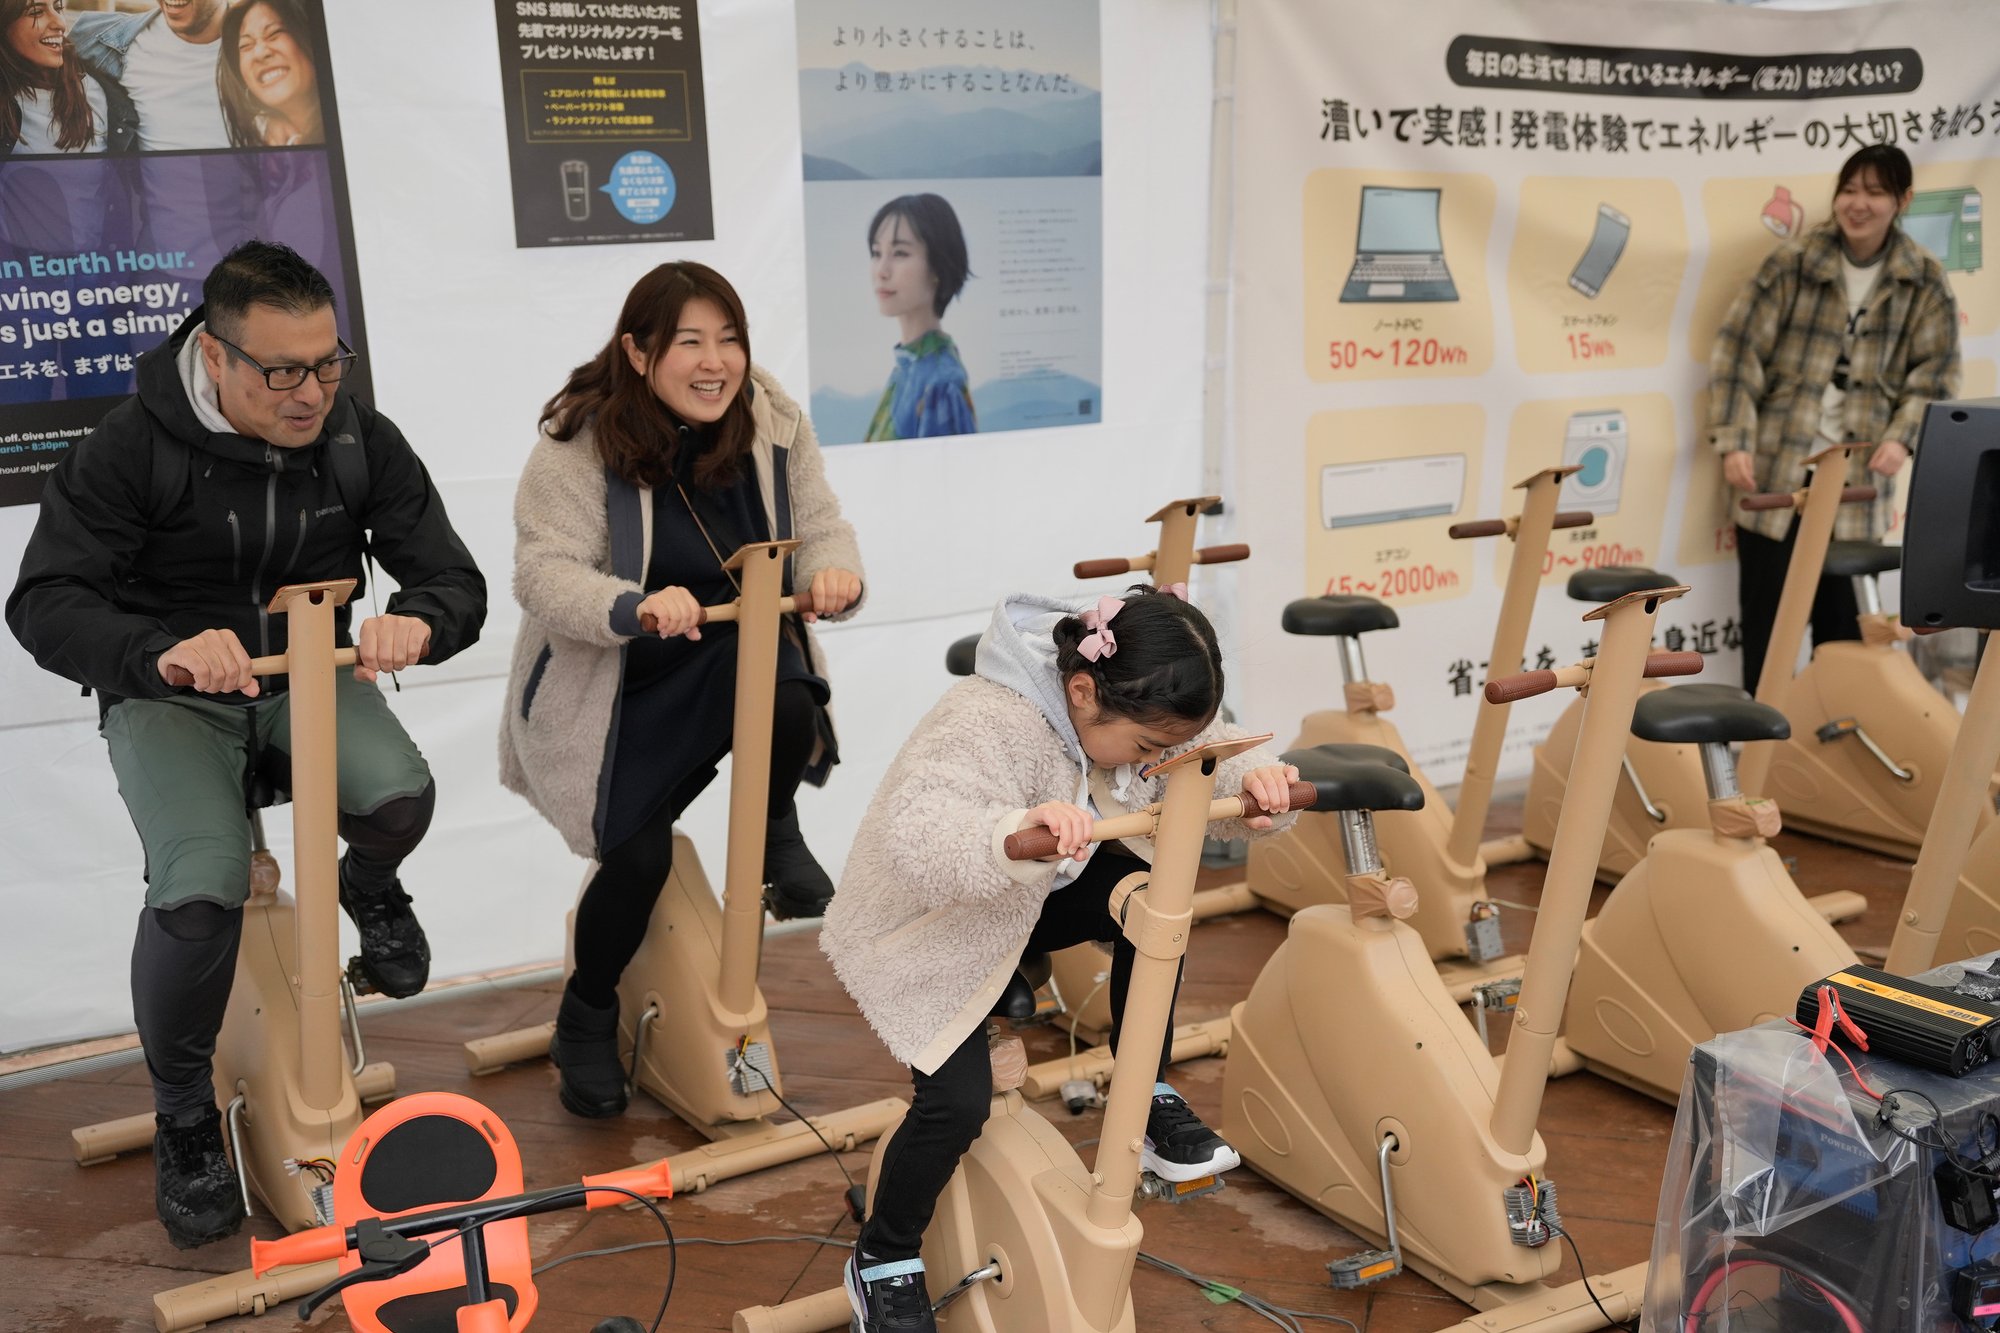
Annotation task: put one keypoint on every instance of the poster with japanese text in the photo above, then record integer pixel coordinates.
(139, 142)
(1503, 240)
(954, 216)
(607, 131)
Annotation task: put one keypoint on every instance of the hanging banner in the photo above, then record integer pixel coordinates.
(147, 140)
(954, 215)
(606, 126)
(1503, 240)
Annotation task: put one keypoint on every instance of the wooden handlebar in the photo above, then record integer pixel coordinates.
(728, 612)
(1528, 684)
(1788, 499)
(1032, 844)
(1227, 553)
(181, 677)
(1497, 527)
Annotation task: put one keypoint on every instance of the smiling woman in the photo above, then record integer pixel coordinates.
(48, 102)
(268, 76)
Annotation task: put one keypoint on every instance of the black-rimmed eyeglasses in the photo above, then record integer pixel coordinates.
(283, 379)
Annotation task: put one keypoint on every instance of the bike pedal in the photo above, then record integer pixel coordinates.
(357, 978)
(1160, 1190)
(1359, 1270)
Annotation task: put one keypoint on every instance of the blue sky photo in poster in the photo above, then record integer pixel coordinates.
(971, 129)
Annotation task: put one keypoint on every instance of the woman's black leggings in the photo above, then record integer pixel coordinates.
(948, 1108)
(617, 905)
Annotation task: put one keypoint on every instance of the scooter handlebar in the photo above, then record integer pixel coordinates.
(1528, 684)
(311, 1246)
(1032, 844)
(653, 1181)
(1497, 527)
(181, 677)
(1787, 499)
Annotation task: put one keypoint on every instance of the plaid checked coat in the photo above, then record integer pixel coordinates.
(1775, 355)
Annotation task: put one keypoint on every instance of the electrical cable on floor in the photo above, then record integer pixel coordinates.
(1226, 1294)
(1584, 1273)
(690, 1240)
(772, 1088)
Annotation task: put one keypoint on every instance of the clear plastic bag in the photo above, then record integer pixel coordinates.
(1794, 1201)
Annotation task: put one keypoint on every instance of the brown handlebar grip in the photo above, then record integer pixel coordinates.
(1303, 794)
(1030, 844)
(1525, 685)
(1574, 518)
(1226, 554)
(1672, 664)
(1098, 569)
(1768, 500)
(1857, 494)
(1478, 527)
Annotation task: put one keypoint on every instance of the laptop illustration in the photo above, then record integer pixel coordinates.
(1399, 252)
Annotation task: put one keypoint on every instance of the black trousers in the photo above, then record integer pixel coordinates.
(948, 1108)
(617, 904)
(184, 957)
(1760, 581)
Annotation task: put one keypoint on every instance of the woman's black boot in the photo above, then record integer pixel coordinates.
(585, 1050)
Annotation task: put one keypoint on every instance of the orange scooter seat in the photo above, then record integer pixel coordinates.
(432, 1150)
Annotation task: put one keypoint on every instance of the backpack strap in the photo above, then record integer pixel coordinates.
(348, 459)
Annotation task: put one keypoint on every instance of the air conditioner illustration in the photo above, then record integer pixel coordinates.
(1387, 490)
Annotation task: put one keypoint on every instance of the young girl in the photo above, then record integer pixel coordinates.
(931, 919)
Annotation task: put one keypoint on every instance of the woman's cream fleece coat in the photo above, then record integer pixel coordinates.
(582, 538)
(931, 917)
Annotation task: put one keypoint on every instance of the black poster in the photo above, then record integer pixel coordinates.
(606, 128)
(115, 205)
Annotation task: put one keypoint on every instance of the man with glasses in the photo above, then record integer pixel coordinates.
(238, 468)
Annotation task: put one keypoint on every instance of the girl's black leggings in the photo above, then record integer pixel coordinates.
(948, 1108)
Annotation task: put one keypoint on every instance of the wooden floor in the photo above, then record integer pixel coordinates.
(80, 1251)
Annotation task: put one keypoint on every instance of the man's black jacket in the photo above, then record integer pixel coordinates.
(154, 528)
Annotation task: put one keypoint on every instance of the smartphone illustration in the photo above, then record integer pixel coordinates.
(576, 191)
(1607, 243)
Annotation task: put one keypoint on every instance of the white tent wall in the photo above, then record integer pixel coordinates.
(468, 336)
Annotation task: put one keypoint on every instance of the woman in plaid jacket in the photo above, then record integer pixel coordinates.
(1844, 336)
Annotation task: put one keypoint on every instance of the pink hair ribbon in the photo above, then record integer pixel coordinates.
(1174, 590)
(1100, 643)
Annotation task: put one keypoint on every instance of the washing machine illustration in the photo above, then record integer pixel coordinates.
(1595, 443)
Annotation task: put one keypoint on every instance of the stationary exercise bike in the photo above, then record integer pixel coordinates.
(1435, 848)
(431, 1224)
(1032, 1239)
(293, 1095)
(1951, 578)
(1664, 784)
(1870, 736)
(688, 1002)
(1354, 1082)
(1706, 933)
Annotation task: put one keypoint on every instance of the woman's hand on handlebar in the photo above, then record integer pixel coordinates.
(1888, 458)
(670, 612)
(1739, 469)
(1272, 788)
(212, 662)
(833, 591)
(1071, 825)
